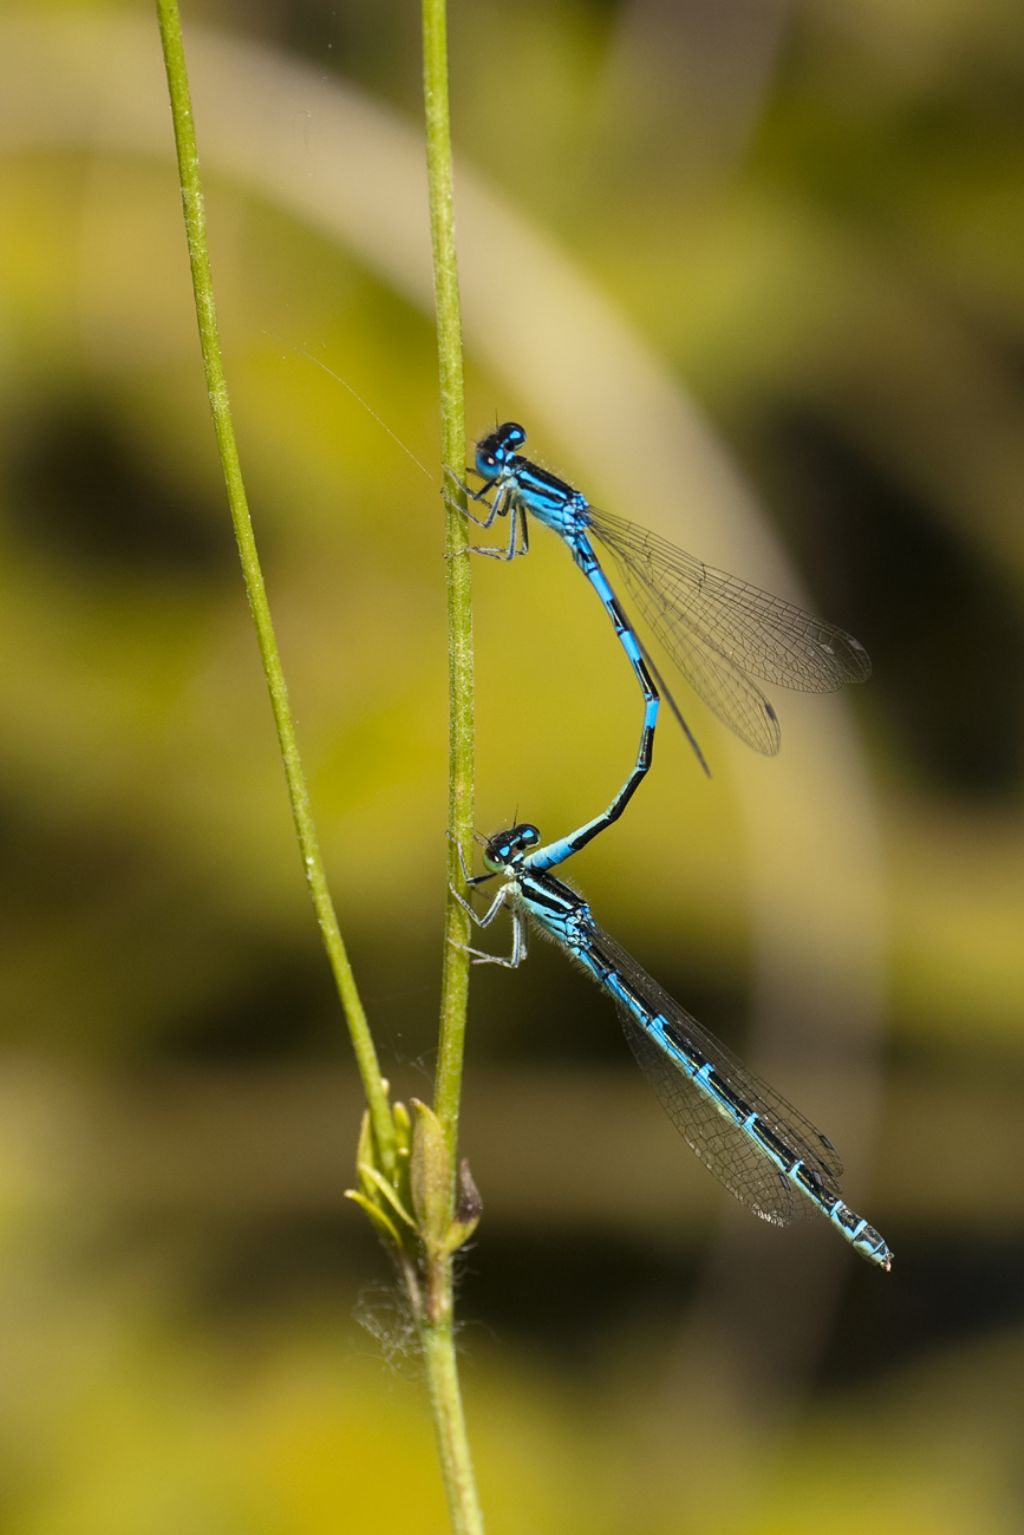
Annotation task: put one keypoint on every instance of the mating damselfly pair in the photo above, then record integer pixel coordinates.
(722, 634)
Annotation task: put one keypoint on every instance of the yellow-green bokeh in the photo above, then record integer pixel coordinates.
(799, 229)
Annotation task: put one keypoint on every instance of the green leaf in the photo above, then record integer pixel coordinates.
(384, 1227)
(383, 1187)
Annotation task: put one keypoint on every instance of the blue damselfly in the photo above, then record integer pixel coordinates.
(719, 631)
(764, 1151)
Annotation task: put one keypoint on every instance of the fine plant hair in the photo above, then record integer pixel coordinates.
(385, 1314)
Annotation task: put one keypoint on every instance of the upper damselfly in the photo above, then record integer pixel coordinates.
(724, 635)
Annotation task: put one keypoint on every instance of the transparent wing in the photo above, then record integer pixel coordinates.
(736, 1161)
(716, 628)
(738, 702)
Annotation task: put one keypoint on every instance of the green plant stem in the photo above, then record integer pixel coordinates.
(436, 1318)
(455, 973)
(446, 1401)
(298, 794)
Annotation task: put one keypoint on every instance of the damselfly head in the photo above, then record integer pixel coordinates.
(494, 450)
(507, 847)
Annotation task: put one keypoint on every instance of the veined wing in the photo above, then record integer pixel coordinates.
(729, 692)
(717, 1140)
(763, 634)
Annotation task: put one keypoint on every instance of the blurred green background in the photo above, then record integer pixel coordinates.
(750, 273)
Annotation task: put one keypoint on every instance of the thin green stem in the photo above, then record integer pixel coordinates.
(436, 1318)
(446, 1401)
(298, 794)
(455, 973)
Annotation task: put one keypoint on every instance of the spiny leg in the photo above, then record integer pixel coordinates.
(491, 912)
(519, 933)
(517, 531)
(504, 501)
(493, 507)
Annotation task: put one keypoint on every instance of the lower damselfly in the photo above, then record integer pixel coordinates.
(758, 1146)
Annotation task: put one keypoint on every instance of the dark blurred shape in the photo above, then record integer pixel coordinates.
(946, 633)
(83, 490)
